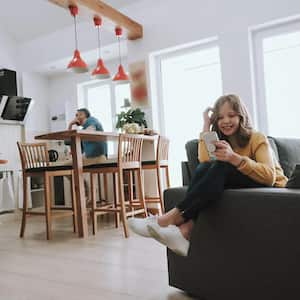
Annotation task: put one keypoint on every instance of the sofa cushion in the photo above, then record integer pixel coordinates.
(289, 154)
(273, 146)
(294, 180)
(173, 196)
(191, 148)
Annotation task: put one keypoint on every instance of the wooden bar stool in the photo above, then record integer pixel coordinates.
(161, 162)
(35, 162)
(129, 159)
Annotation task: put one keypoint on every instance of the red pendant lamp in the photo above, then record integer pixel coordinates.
(77, 64)
(121, 77)
(100, 72)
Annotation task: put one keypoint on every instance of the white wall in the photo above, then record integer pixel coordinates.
(36, 86)
(9, 133)
(32, 85)
(8, 51)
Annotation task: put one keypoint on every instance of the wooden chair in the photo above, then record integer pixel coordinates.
(161, 162)
(35, 162)
(129, 160)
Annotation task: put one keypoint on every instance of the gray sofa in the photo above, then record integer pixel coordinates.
(247, 245)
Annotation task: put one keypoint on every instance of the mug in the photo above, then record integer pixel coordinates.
(53, 155)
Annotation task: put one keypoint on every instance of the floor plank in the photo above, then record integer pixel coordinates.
(106, 266)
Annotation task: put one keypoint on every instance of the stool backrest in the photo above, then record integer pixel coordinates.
(33, 155)
(130, 151)
(162, 152)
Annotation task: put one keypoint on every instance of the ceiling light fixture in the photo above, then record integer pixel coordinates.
(100, 72)
(77, 64)
(121, 77)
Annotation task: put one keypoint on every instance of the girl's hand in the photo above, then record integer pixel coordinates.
(224, 152)
(206, 119)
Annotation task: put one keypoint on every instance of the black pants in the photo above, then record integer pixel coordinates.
(208, 183)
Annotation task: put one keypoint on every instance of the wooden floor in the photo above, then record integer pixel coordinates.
(106, 267)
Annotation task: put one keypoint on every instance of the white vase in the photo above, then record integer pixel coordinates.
(131, 128)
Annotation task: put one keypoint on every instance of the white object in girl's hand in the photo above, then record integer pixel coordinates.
(210, 138)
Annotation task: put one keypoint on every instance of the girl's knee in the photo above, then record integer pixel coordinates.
(203, 165)
(223, 166)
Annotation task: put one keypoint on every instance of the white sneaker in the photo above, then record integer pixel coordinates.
(171, 237)
(139, 226)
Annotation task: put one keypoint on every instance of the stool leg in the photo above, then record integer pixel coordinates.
(160, 193)
(116, 199)
(141, 191)
(99, 186)
(93, 196)
(130, 188)
(25, 205)
(48, 205)
(74, 205)
(122, 202)
(168, 177)
(105, 186)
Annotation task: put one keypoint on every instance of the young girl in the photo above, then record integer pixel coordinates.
(243, 160)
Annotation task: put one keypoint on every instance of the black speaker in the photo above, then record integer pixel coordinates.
(8, 82)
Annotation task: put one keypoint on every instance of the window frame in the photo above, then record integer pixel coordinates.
(92, 85)
(156, 76)
(83, 96)
(156, 84)
(83, 100)
(256, 36)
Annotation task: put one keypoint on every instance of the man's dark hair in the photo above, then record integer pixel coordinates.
(85, 111)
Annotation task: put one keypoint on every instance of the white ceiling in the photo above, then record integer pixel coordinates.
(26, 20)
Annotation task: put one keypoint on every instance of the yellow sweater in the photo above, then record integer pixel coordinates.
(258, 162)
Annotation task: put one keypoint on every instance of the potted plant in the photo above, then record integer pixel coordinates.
(131, 121)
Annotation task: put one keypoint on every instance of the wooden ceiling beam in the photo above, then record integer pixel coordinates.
(98, 7)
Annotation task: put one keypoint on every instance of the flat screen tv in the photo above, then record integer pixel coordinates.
(15, 108)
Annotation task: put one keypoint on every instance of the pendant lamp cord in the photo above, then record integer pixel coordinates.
(76, 40)
(120, 50)
(99, 42)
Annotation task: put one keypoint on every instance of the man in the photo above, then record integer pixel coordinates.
(94, 152)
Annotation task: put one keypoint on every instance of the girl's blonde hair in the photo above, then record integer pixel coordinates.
(245, 129)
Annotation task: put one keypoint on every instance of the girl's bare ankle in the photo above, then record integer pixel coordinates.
(185, 233)
(179, 220)
(162, 221)
(166, 220)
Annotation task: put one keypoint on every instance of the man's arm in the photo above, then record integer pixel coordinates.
(91, 128)
(72, 123)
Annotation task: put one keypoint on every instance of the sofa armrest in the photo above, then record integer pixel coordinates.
(244, 245)
(186, 174)
(173, 196)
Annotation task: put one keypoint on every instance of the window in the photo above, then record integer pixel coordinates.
(190, 82)
(278, 72)
(122, 92)
(99, 104)
(104, 100)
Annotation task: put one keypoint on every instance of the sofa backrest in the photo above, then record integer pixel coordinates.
(191, 148)
(287, 152)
